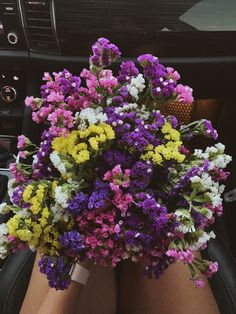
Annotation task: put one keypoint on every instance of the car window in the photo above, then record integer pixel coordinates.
(211, 15)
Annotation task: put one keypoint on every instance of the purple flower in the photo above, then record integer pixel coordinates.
(72, 243)
(104, 53)
(118, 157)
(173, 121)
(78, 203)
(208, 130)
(43, 167)
(100, 197)
(140, 175)
(17, 195)
(184, 180)
(127, 71)
(57, 271)
(162, 84)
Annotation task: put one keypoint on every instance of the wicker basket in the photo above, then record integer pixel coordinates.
(183, 112)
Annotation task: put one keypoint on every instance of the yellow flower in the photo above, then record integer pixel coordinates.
(13, 224)
(83, 156)
(27, 193)
(94, 143)
(60, 144)
(24, 235)
(108, 131)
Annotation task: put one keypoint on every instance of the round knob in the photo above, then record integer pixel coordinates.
(12, 38)
(8, 93)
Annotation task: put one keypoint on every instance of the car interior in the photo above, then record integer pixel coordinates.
(196, 37)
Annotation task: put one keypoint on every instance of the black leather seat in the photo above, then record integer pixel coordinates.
(14, 279)
(223, 283)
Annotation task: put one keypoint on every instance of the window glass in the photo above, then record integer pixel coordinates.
(211, 15)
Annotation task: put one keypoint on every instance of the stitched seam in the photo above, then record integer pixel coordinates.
(225, 284)
(228, 289)
(16, 277)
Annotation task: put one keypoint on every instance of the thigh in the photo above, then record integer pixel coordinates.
(36, 292)
(99, 296)
(173, 293)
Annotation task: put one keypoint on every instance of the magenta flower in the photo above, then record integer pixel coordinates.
(184, 93)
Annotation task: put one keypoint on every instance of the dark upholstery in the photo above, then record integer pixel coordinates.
(223, 283)
(14, 279)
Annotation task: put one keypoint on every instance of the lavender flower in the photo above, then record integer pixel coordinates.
(104, 53)
(78, 203)
(140, 175)
(208, 130)
(127, 71)
(100, 195)
(72, 243)
(57, 271)
(118, 157)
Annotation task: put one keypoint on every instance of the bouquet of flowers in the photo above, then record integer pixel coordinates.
(114, 179)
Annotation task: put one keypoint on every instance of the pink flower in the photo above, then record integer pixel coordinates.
(116, 170)
(22, 141)
(107, 176)
(117, 228)
(114, 187)
(29, 100)
(47, 77)
(22, 154)
(61, 118)
(212, 268)
(199, 283)
(184, 94)
(54, 96)
(173, 74)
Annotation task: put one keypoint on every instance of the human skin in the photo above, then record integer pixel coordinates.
(98, 296)
(173, 293)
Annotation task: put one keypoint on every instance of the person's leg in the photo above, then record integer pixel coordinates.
(37, 291)
(98, 296)
(173, 293)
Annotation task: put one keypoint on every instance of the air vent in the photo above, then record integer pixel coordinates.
(40, 26)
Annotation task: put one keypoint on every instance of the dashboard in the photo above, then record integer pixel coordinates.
(197, 37)
(174, 28)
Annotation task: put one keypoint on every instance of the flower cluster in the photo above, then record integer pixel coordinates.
(112, 178)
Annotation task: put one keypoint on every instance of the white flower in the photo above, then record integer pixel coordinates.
(61, 196)
(109, 101)
(35, 159)
(136, 86)
(3, 241)
(215, 199)
(126, 107)
(58, 164)
(185, 220)
(220, 147)
(2, 206)
(59, 213)
(211, 150)
(199, 153)
(92, 116)
(203, 239)
(3, 230)
(11, 188)
(196, 179)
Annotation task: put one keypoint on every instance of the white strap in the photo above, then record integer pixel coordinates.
(79, 274)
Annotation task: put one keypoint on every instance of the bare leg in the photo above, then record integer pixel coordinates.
(99, 296)
(37, 291)
(173, 293)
